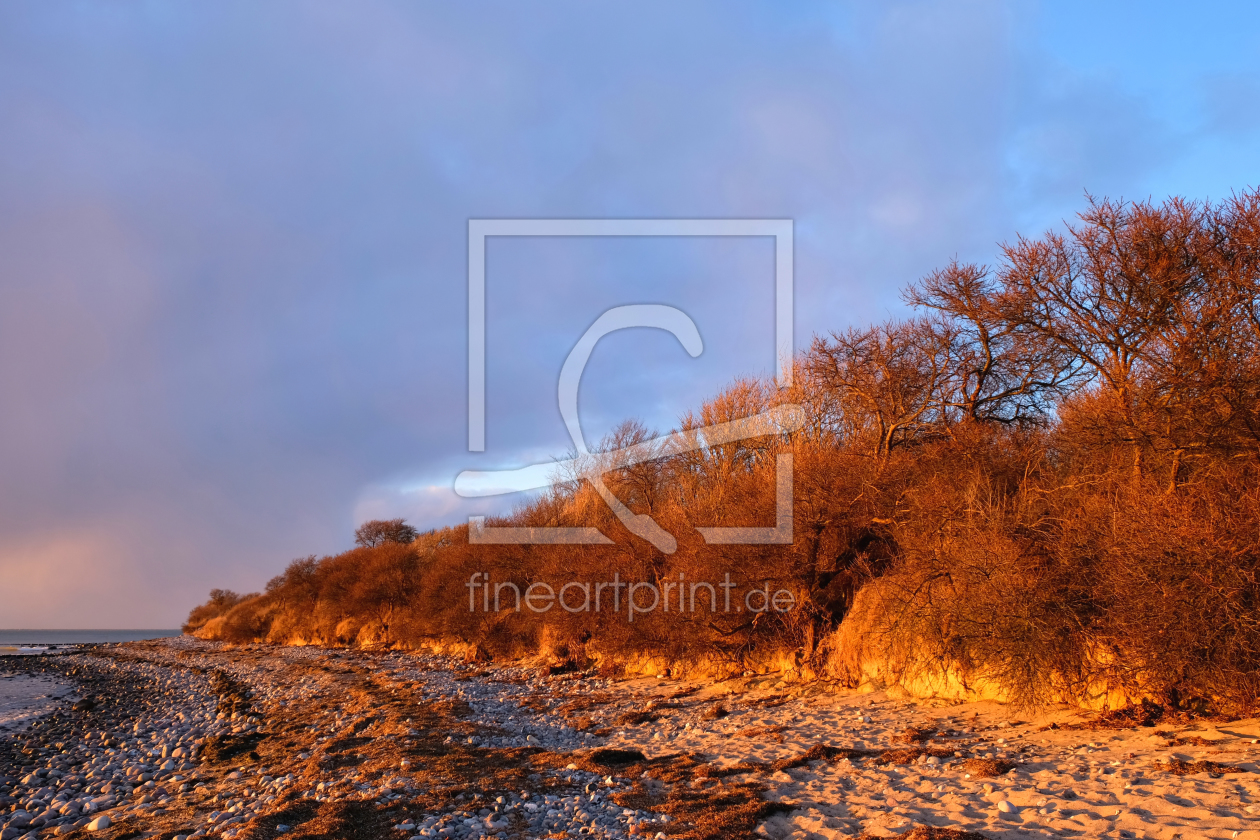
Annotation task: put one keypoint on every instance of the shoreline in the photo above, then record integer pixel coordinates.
(24, 699)
(187, 738)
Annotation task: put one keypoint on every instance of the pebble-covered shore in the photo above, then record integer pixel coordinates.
(182, 738)
(167, 737)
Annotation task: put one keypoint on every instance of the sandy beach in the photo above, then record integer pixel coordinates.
(183, 738)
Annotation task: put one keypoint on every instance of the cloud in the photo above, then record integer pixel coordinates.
(232, 243)
(82, 573)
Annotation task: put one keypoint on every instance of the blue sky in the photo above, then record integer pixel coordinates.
(233, 235)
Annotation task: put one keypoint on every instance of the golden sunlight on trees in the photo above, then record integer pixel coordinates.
(1045, 479)
(381, 531)
(1154, 302)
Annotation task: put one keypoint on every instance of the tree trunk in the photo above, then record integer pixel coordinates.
(1175, 472)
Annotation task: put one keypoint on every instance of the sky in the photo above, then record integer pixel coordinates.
(233, 235)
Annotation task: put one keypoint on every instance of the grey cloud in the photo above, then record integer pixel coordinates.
(232, 244)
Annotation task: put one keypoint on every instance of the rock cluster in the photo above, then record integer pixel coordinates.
(125, 748)
(167, 734)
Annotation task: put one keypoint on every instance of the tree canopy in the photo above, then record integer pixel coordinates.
(380, 531)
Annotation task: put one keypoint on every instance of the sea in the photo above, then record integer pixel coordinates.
(25, 697)
(34, 642)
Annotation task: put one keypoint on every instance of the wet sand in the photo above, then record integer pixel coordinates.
(24, 698)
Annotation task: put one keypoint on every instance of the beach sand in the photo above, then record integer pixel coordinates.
(946, 765)
(198, 739)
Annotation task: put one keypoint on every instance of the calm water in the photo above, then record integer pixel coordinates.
(12, 640)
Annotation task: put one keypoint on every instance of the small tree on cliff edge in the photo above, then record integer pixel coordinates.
(381, 531)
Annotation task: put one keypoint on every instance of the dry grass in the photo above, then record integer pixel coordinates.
(616, 758)
(916, 735)
(225, 748)
(715, 712)
(715, 809)
(770, 733)
(536, 704)
(987, 766)
(932, 832)
(573, 710)
(1187, 741)
(346, 820)
(584, 704)
(818, 752)
(909, 755)
(1145, 713)
(1177, 767)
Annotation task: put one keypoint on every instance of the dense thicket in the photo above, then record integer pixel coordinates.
(1045, 479)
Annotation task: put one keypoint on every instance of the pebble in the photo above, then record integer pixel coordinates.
(151, 733)
(134, 764)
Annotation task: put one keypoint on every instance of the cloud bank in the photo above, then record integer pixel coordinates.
(233, 237)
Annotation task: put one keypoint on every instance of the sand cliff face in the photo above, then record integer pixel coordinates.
(924, 677)
(211, 631)
(868, 652)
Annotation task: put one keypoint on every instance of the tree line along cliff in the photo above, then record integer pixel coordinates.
(1046, 481)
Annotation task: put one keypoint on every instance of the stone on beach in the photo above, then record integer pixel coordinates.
(833, 784)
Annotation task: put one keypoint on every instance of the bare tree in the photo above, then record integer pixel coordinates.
(998, 370)
(1105, 293)
(963, 500)
(381, 531)
(387, 583)
(888, 378)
